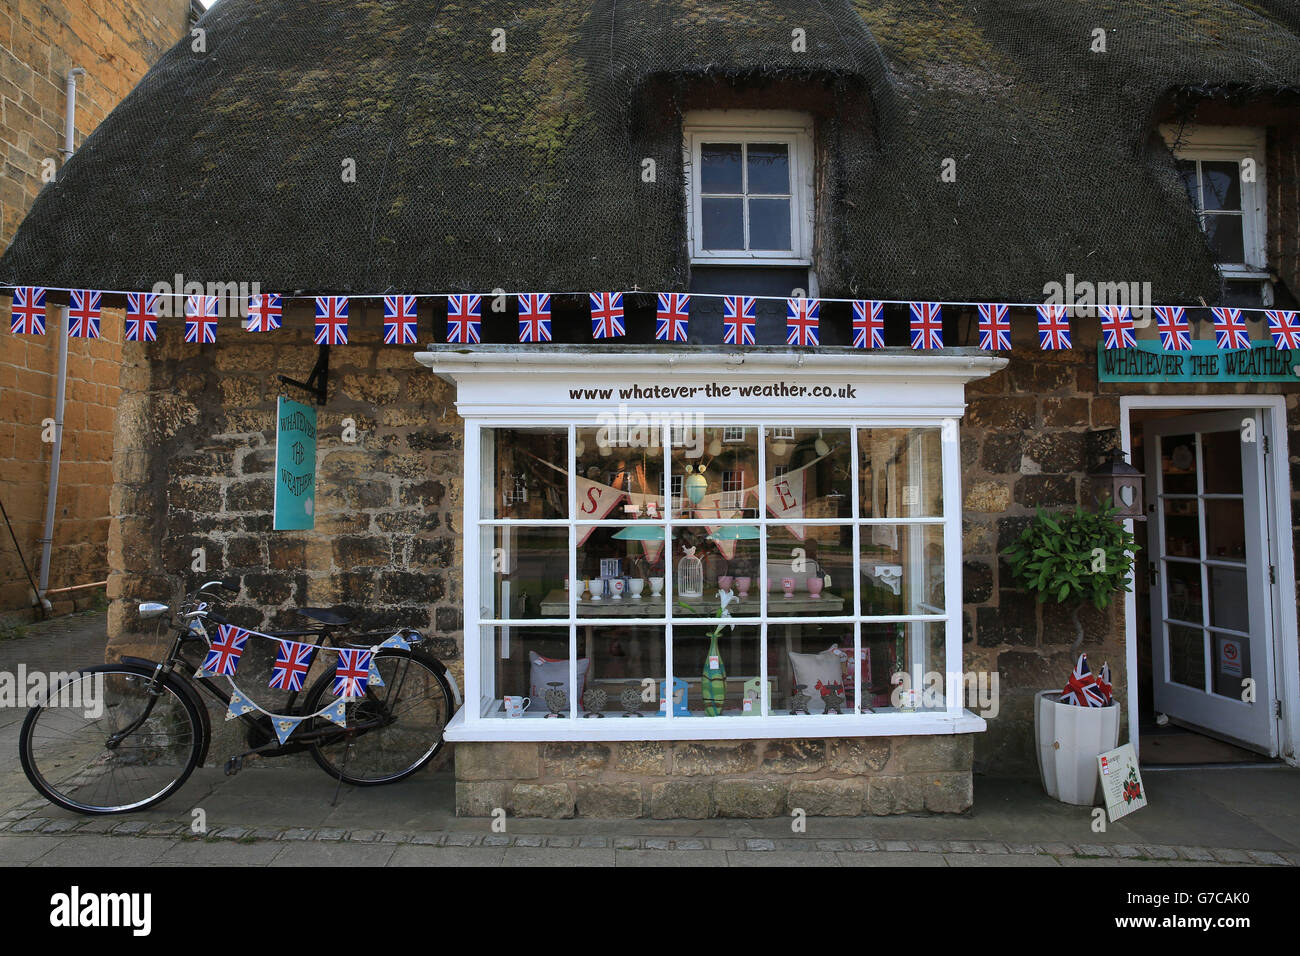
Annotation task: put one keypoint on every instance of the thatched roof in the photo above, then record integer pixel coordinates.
(521, 169)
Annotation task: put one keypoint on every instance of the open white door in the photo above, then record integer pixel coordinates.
(1211, 590)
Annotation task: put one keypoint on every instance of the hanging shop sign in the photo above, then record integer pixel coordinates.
(1203, 362)
(295, 466)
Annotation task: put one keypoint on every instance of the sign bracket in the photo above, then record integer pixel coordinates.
(318, 381)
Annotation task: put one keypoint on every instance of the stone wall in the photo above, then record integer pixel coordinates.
(848, 776)
(115, 41)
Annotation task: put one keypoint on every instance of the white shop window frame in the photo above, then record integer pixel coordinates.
(903, 379)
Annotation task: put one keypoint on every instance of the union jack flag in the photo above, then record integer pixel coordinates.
(201, 318)
(352, 673)
(331, 320)
(292, 661)
(606, 315)
(868, 324)
(141, 317)
(1053, 327)
(1171, 323)
(264, 312)
(223, 657)
(801, 319)
(1104, 685)
(927, 325)
(464, 318)
(1117, 324)
(399, 320)
(1081, 690)
(1285, 329)
(1230, 331)
(673, 316)
(83, 315)
(535, 317)
(738, 320)
(28, 311)
(995, 327)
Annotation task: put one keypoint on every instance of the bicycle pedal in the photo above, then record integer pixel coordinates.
(234, 765)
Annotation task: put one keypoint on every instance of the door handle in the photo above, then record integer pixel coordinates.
(1152, 572)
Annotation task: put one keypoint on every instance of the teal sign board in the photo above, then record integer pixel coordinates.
(1204, 363)
(295, 466)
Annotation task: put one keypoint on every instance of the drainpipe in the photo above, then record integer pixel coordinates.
(61, 386)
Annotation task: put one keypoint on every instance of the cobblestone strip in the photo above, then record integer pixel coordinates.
(1120, 852)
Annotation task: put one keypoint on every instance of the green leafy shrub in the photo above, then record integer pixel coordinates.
(1073, 557)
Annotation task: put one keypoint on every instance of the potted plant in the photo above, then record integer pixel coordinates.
(1072, 558)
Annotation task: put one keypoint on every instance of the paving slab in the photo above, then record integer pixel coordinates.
(98, 850)
(660, 858)
(886, 858)
(332, 854)
(447, 856)
(557, 856)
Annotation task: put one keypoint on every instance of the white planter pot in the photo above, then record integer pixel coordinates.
(1069, 738)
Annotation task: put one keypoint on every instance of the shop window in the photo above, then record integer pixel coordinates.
(825, 545)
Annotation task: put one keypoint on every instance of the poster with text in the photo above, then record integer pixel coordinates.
(1121, 782)
(295, 466)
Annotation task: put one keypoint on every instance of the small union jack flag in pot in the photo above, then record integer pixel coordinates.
(331, 320)
(535, 317)
(399, 320)
(1171, 323)
(801, 319)
(995, 327)
(606, 315)
(28, 316)
(141, 317)
(292, 662)
(868, 324)
(1053, 327)
(264, 313)
(201, 318)
(738, 320)
(84, 314)
(1081, 690)
(352, 673)
(1117, 327)
(927, 325)
(464, 319)
(672, 317)
(1230, 331)
(1104, 686)
(1285, 329)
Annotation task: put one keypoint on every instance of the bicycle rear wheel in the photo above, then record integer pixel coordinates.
(91, 748)
(391, 732)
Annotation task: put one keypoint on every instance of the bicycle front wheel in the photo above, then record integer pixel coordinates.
(394, 730)
(104, 743)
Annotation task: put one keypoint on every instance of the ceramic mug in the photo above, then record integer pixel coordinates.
(515, 706)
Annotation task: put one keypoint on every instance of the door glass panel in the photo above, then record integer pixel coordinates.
(1225, 529)
(1178, 464)
(1229, 599)
(1187, 656)
(1231, 663)
(1182, 528)
(1222, 451)
(1183, 591)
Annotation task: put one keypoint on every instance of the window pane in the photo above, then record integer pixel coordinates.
(809, 473)
(720, 168)
(525, 572)
(1231, 663)
(619, 570)
(1225, 529)
(724, 558)
(1187, 656)
(1229, 598)
(719, 472)
(1222, 452)
(525, 472)
(902, 569)
(532, 664)
(723, 227)
(768, 168)
(620, 471)
(1222, 185)
(627, 668)
(1187, 170)
(1178, 464)
(811, 664)
(717, 671)
(1182, 528)
(1224, 234)
(901, 473)
(810, 570)
(769, 224)
(1183, 591)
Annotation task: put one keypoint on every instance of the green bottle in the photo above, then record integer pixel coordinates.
(714, 686)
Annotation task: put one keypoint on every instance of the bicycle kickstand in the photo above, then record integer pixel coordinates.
(342, 770)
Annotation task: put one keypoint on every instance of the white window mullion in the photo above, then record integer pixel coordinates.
(764, 694)
(950, 462)
(856, 583)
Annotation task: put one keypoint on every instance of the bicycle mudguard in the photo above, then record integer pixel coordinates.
(447, 675)
(186, 687)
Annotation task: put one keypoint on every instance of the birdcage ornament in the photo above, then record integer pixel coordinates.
(690, 575)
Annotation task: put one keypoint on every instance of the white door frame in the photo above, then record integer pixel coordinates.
(1286, 650)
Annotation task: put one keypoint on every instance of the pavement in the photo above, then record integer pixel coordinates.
(286, 814)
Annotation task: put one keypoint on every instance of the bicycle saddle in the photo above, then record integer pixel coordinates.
(324, 616)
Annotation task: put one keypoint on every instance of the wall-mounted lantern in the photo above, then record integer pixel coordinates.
(1121, 483)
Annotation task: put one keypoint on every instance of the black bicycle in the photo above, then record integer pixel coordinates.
(131, 738)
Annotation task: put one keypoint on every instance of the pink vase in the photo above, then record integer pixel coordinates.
(815, 588)
(742, 585)
(787, 585)
(725, 581)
